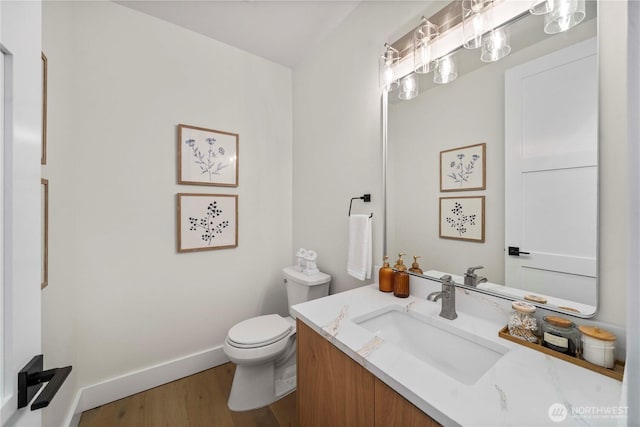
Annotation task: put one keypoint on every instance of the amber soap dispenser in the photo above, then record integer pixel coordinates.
(385, 276)
(415, 268)
(400, 279)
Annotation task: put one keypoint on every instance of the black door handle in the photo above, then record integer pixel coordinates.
(31, 378)
(515, 251)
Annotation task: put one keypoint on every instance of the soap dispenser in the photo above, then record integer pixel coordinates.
(400, 279)
(385, 276)
(415, 268)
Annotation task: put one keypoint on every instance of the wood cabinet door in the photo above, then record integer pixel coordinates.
(391, 409)
(333, 390)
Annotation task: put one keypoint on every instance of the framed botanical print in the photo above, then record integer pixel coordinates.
(207, 221)
(207, 157)
(463, 169)
(462, 218)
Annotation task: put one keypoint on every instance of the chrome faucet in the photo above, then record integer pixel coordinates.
(471, 278)
(448, 296)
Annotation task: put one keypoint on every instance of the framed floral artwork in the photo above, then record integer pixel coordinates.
(462, 218)
(463, 169)
(207, 221)
(207, 157)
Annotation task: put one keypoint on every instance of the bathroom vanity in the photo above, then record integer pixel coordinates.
(367, 358)
(335, 390)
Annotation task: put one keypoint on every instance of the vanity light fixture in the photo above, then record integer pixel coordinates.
(495, 45)
(388, 62)
(559, 15)
(466, 24)
(408, 87)
(474, 17)
(564, 15)
(539, 7)
(423, 36)
(445, 70)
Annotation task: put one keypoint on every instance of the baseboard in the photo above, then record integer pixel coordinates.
(73, 417)
(92, 396)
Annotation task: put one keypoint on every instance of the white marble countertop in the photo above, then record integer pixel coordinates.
(517, 391)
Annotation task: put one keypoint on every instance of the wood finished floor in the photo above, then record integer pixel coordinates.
(196, 401)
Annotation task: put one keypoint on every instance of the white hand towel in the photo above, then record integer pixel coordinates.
(360, 247)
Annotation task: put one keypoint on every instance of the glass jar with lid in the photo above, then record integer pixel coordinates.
(522, 324)
(560, 334)
(598, 345)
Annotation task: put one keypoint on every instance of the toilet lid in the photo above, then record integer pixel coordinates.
(259, 331)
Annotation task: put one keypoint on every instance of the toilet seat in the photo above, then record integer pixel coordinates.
(259, 331)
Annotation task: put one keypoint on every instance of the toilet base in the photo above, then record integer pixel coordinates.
(256, 386)
(286, 382)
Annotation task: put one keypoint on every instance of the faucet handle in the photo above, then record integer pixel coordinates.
(470, 270)
(446, 279)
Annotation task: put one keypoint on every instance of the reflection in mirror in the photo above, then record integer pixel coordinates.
(539, 107)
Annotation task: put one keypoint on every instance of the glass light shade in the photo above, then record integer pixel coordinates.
(473, 22)
(422, 48)
(564, 15)
(388, 61)
(495, 45)
(408, 87)
(445, 70)
(540, 7)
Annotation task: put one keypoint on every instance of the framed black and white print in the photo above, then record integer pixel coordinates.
(462, 218)
(207, 157)
(207, 221)
(463, 169)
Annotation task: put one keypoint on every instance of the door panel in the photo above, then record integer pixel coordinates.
(551, 174)
(555, 212)
(20, 42)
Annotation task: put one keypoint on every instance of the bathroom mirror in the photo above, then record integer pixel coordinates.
(561, 226)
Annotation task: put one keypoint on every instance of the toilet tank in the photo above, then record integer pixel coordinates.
(302, 287)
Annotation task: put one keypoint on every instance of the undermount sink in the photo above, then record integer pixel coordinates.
(455, 352)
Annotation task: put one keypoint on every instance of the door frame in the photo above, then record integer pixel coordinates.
(20, 40)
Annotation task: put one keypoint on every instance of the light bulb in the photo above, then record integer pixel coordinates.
(422, 49)
(388, 61)
(495, 46)
(445, 70)
(408, 87)
(564, 15)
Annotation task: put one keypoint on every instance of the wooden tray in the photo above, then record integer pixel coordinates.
(616, 373)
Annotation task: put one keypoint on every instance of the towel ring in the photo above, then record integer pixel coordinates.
(365, 197)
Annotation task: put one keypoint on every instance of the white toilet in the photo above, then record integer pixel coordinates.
(264, 347)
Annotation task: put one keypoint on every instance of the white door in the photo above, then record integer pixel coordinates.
(21, 103)
(551, 174)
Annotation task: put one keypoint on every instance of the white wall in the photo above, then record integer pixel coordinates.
(613, 170)
(120, 298)
(633, 315)
(59, 301)
(337, 135)
(337, 149)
